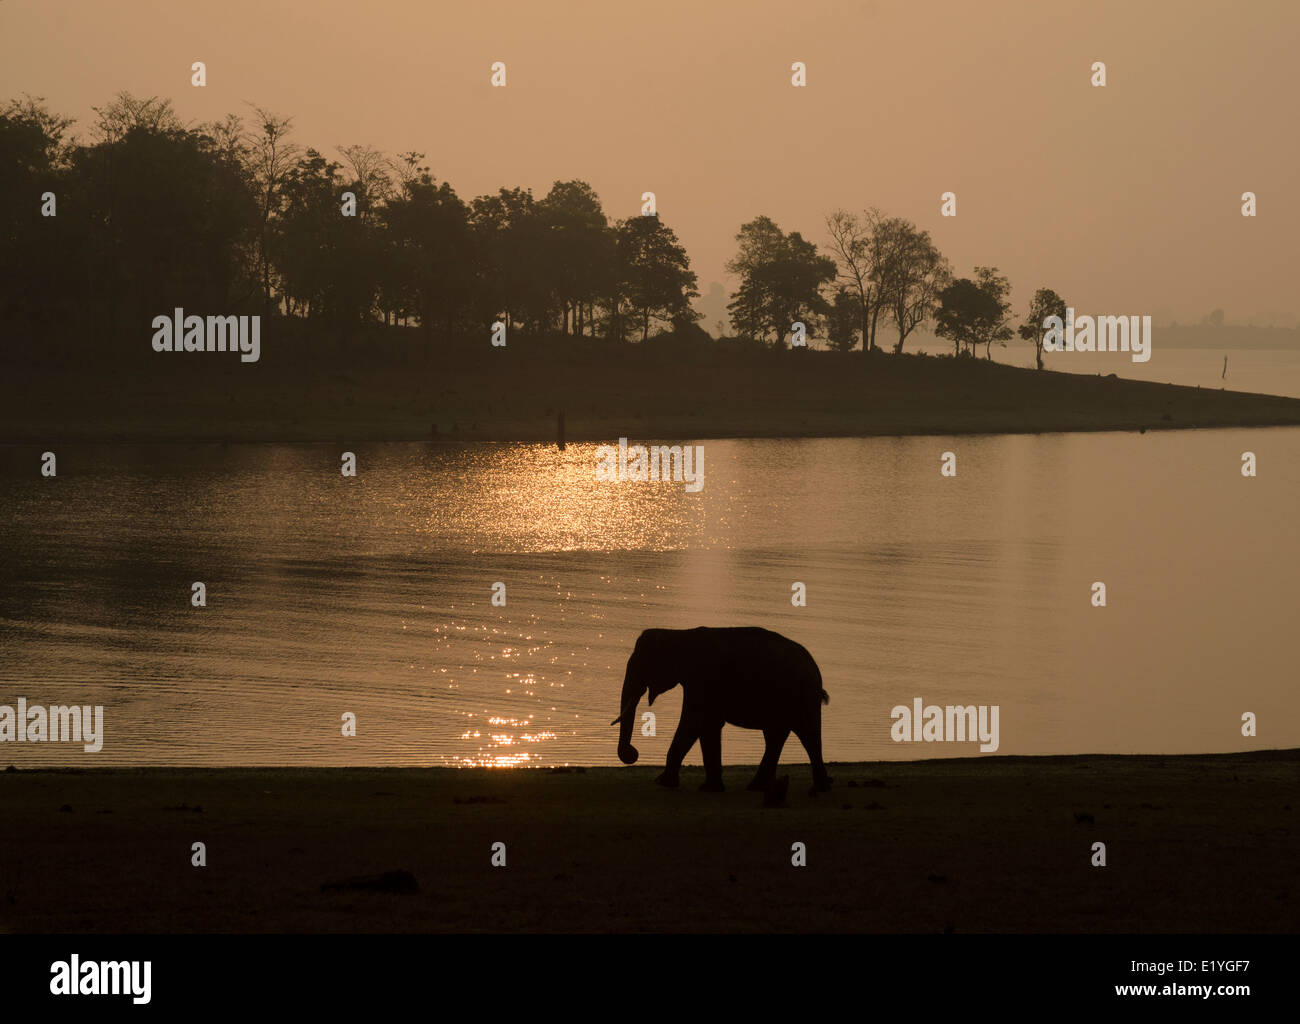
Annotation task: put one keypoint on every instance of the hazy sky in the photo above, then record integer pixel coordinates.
(1124, 199)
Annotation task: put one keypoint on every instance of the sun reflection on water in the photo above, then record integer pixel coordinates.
(512, 740)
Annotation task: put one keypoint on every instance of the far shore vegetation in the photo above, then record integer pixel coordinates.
(379, 290)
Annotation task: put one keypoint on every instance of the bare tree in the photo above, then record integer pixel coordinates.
(370, 170)
(911, 272)
(125, 112)
(271, 156)
(407, 169)
(230, 138)
(855, 245)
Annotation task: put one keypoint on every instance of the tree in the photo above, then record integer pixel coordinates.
(577, 253)
(843, 322)
(429, 225)
(369, 176)
(271, 157)
(230, 138)
(974, 312)
(657, 282)
(855, 243)
(1045, 303)
(301, 249)
(509, 246)
(998, 288)
(41, 147)
(396, 297)
(166, 212)
(125, 112)
(780, 280)
(911, 274)
(34, 250)
(327, 262)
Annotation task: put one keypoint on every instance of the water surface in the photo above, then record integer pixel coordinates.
(373, 595)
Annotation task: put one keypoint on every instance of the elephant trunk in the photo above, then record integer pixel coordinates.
(631, 697)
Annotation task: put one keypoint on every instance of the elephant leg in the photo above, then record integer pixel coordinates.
(711, 749)
(688, 731)
(811, 738)
(774, 741)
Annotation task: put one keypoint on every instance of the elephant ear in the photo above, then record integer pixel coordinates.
(657, 687)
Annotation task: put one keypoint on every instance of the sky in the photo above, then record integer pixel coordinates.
(1124, 199)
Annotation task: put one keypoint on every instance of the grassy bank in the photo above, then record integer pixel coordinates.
(392, 384)
(1194, 843)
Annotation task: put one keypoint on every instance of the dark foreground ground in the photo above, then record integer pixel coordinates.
(1205, 843)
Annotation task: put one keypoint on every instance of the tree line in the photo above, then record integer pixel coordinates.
(235, 215)
(880, 271)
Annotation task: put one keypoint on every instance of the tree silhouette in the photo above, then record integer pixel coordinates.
(974, 312)
(508, 244)
(1045, 303)
(578, 253)
(326, 262)
(234, 215)
(34, 250)
(911, 273)
(431, 232)
(856, 245)
(163, 213)
(271, 156)
(657, 281)
(843, 322)
(780, 280)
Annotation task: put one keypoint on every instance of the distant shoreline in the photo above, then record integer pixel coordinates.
(596, 437)
(1194, 843)
(1229, 338)
(387, 389)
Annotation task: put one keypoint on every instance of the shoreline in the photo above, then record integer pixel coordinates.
(596, 438)
(1195, 842)
(960, 761)
(394, 386)
(297, 395)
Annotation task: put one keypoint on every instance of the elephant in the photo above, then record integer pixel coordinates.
(742, 675)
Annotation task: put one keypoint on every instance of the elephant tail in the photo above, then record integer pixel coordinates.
(826, 697)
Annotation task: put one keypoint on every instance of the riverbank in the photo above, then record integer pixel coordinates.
(382, 391)
(1204, 843)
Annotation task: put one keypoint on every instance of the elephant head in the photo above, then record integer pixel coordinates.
(646, 672)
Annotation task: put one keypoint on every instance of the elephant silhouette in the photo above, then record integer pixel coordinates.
(742, 675)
